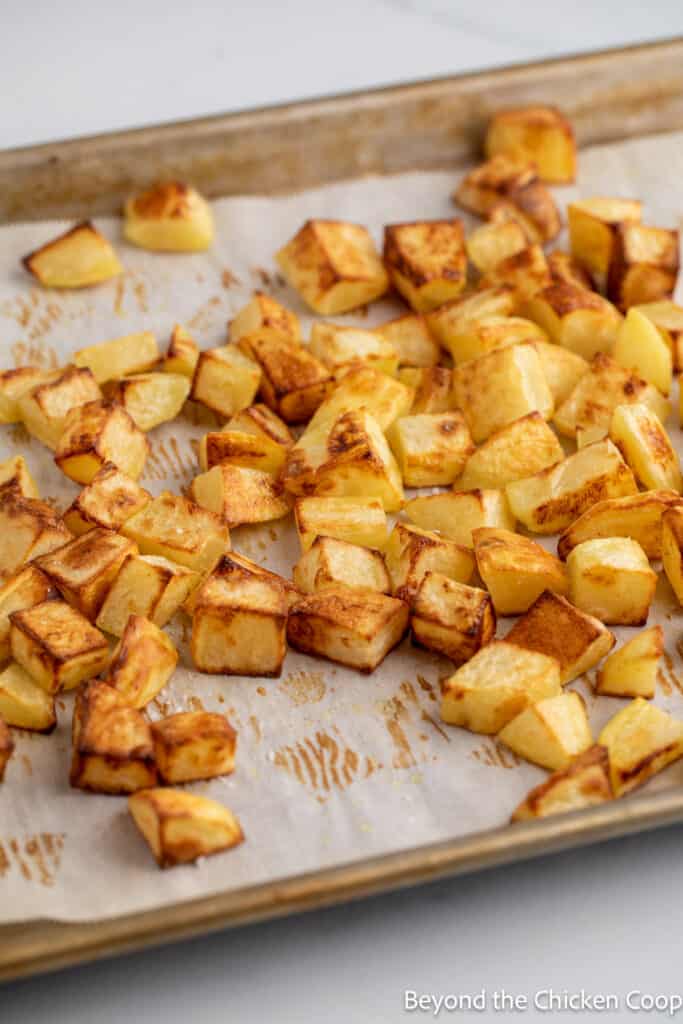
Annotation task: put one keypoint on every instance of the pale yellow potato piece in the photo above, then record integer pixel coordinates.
(254, 451)
(180, 827)
(631, 671)
(110, 360)
(538, 134)
(431, 448)
(412, 340)
(85, 568)
(112, 749)
(28, 528)
(611, 579)
(518, 450)
(516, 570)
(493, 242)
(264, 311)
(590, 435)
(432, 386)
(446, 322)
(499, 388)
(592, 228)
(638, 516)
(359, 520)
(225, 380)
(193, 745)
(451, 618)
(576, 319)
(641, 741)
(44, 410)
(16, 383)
(142, 662)
(551, 732)
(293, 381)
(79, 258)
(672, 548)
(108, 500)
(456, 514)
(640, 347)
(24, 704)
(240, 495)
(330, 561)
(644, 265)
(426, 261)
(151, 399)
(562, 369)
(149, 586)
(646, 447)
(182, 353)
(667, 317)
(57, 645)
(98, 433)
(554, 498)
(365, 388)
(495, 685)
(169, 217)
(584, 783)
(339, 347)
(411, 553)
(178, 529)
(565, 269)
(476, 338)
(15, 473)
(24, 589)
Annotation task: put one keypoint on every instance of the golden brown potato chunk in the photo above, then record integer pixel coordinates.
(667, 318)
(356, 520)
(431, 448)
(412, 552)
(339, 347)
(550, 733)
(334, 266)
(6, 747)
(348, 625)
(611, 579)
(641, 741)
(526, 272)
(265, 311)
(45, 409)
(564, 269)
(109, 360)
(14, 473)
(193, 745)
(447, 320)
(672, 547)
(178, 529)
(151, 399)
(642, 348)
(293, 381)
(555, 627)
(146, 585)
(519, 449)
(180, 827)
(643, 265)
(367, 389)
(593, 226)
(584, 783)
(539, 135)
(240, 495)
(182, 353)
(646, 447)
(28, 528)
(24, 704)
(432, 386)
(112, 749)
(24, 589)
(515, 570)
(169, 217)
(638, 516)
(331, 561)
(142, 663)
(97, 433)
(631, 671)
(57, 645)
(77, 259)
(426, 261)
(513, 186)
(84, 569)
(14, 384)
(578, 320)
(225, 380)
(451, 618)
(411, 339)
(235, 567)
(107, 501)
(456, 514)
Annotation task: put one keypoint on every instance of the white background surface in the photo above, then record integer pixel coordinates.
(607, 919)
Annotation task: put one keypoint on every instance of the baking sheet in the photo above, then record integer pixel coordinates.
(332, 767)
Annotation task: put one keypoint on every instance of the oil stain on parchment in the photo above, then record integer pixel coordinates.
(36, 858)
(324, 763)
(168, 460)
(303, 687)
(494, 755)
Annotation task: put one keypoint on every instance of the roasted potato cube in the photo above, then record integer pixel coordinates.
(146, 585)
(432, 386)
(514, 186)
(23, 704)
(348, 625)
(258, 419)
(585, 782)
(590, 435)
(97, 433)
(638, 516)
(506, 212)
(45, 409)
(239, 624)
(476, 338)
(15, 473)
(112, 749)
(109, 360)
(592, 229)
(57, 645)
(28, 528)
(451, 618)
(181, 827)
(446, 321)
(671, 534)
(182, 353)
(539, 135)
(178, 529)
(225, 380)
(495, 686)
(169, 217)
(520, 449)
(142, 663)
(640, 347)
(431, 448)
(349, 457)
(515, 570)
(411, 340)
(426, 261)
(330, 561)
(412, 552)
(668, 319)
(555, 627)
(237, 567)
(264, 311)
(599, 392)
(77, 259)
(641, 741)
(240, 495)
(550, 733)
(26, 588)
(631, 671)
(366, 389)
(526, 272)
(578, 320)
(611, 579)
(643, 265)
(339, 347)
(193, 745)
(564, 269)
(642, 440)
(85, 568)
(562, 370)
(14, 384)
(107, 501)
(499, 388)
(359, 520)
(552, 499)
(334, 266)
(6, 747)
(293, 381)
(491, 243)
(457, 513)
(151, 398)
(255, 438)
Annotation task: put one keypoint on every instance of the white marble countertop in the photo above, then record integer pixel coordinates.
(605, 920)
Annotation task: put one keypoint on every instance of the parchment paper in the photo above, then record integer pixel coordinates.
(332, 766)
